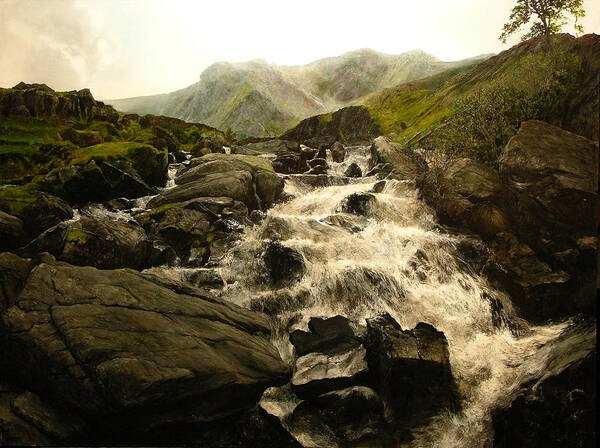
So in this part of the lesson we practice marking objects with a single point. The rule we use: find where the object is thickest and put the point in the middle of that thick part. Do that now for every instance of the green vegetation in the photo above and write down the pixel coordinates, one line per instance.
(551, 17)
(474, 111)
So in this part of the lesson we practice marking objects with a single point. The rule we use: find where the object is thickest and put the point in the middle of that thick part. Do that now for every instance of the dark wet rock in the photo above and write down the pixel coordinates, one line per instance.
(79, 184)
(411, 368)
(284, 265)
(379, 186)
(353, 171)
(256, 216)
(120, 204)
(315, 163)
(13, 273)
(161, 254)
(45, 212)
(538, 290)
(252, 428)
(248, 179)
(358, 204)
(338, 152)
(351, 223)
(318, 373)
(321, 180)
(348, 417)
(318, 170)
(321, 154)
(380, 170)
(290, 163)
(193, 227)
(26, 420)
(206, 278)
(273, 146)
(132, 351)
(559, 409)
(331, 335)
(103, 244)
(11, 231)
(124, 180)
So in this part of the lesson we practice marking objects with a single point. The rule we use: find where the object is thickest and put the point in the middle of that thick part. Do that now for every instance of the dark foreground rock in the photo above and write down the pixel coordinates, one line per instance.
(11, 231)
(129, 352)
(45, 212)
(411, 368)
(346, 417)
(558, 410)
(284, 265)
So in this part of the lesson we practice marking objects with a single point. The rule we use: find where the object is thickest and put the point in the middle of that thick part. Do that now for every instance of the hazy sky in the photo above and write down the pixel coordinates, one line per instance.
(122, 48)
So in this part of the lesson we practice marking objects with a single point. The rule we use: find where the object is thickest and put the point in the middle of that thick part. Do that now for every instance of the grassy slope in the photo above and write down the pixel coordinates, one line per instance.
(411, 109)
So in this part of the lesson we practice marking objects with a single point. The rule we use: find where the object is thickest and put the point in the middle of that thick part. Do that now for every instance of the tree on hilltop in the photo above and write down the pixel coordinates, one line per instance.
(549, 17)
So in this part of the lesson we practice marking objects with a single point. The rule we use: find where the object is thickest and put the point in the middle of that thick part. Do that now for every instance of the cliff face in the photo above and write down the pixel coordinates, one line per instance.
(39, 100)
(350, 125)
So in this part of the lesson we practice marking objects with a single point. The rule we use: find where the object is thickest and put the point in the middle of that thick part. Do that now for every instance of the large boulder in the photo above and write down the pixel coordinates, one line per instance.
(11, 231)
(130, 351)
(358, 204)
(104, 244)
(353, 170)
(45, 212)
(554, 173)
(411, 368)
(284, 265)
(247, 179)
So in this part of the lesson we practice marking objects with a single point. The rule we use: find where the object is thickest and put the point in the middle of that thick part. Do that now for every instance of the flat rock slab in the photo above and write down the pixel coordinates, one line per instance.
(106, 342)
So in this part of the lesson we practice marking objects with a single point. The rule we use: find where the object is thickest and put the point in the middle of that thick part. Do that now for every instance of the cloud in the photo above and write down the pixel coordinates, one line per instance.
(57, 42)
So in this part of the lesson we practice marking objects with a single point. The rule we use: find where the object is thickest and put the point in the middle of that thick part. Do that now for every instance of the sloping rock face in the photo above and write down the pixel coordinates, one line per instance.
(45, 212)
(39, 100)
(129, 351)
(558, 410)
(554, 174)
(349, 125)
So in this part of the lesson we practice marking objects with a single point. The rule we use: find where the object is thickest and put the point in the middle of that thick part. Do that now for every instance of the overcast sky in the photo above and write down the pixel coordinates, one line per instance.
(122, 48)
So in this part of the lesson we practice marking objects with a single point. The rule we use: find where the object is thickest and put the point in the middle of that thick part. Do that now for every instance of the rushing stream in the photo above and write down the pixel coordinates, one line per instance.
(397, 259)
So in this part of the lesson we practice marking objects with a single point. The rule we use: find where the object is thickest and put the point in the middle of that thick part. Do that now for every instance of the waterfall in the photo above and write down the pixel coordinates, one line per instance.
(397, 259)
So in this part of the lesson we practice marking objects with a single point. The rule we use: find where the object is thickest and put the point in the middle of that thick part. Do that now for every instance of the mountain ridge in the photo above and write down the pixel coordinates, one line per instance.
(258, 98)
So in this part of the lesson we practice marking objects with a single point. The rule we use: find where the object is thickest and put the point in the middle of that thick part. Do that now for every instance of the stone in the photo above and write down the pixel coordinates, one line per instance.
(358, 204)
(132, 351)
(411, 368)
(353, 416)
(103, 244)
(45, 212)
(284, 265)
(318, 373)
(338, 152)
(406, 163)
(331, 335)
(13, 274)
(353, 170)
(11, 231)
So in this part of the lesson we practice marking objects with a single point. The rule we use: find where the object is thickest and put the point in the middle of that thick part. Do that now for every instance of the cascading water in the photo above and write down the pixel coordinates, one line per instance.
(394, 260)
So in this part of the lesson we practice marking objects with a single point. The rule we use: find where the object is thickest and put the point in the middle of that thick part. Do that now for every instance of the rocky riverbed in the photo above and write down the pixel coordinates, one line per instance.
(275, 294)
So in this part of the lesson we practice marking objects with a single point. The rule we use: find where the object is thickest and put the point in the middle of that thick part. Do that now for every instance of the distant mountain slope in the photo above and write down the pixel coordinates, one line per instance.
(560, 74)
(256, 98)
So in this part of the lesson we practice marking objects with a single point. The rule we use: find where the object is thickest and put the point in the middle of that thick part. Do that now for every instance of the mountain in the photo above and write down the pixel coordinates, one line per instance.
(256, 98)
